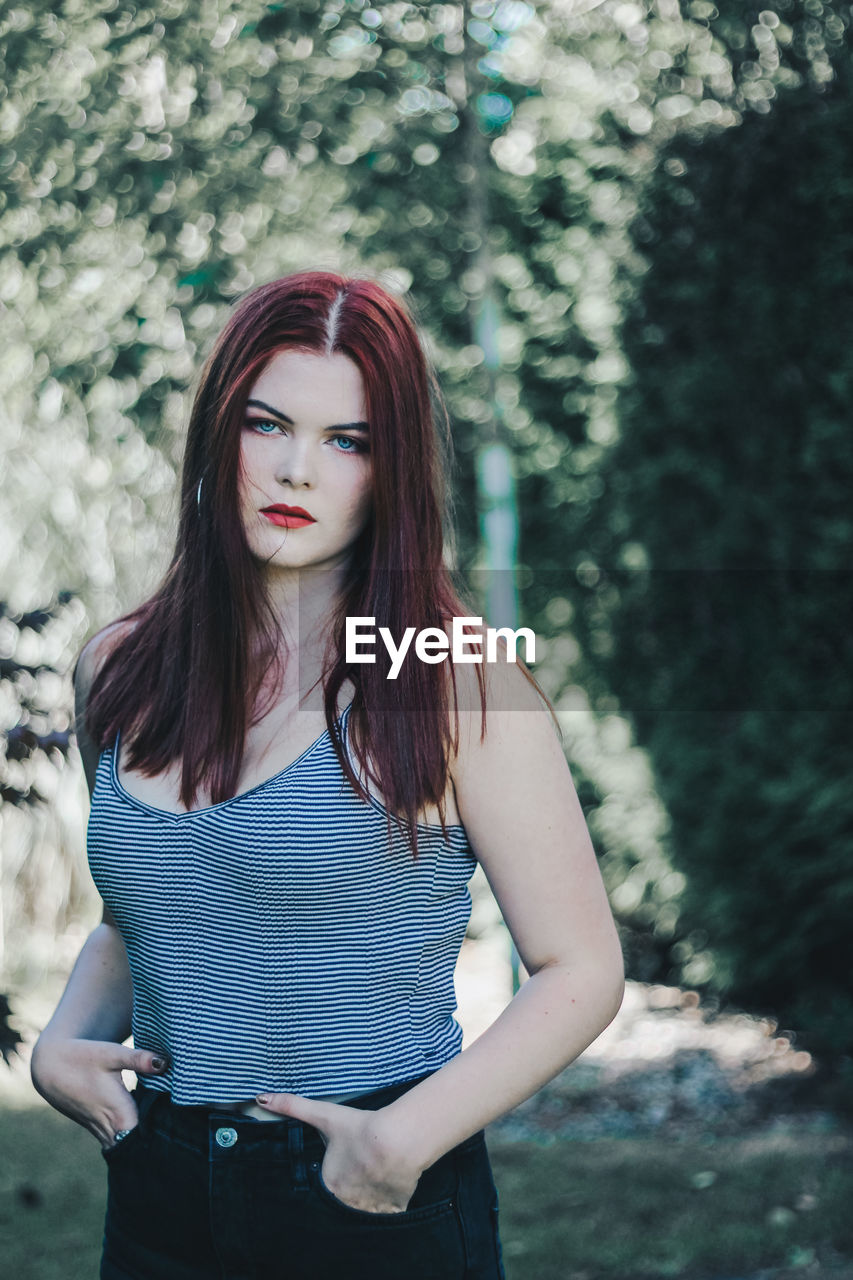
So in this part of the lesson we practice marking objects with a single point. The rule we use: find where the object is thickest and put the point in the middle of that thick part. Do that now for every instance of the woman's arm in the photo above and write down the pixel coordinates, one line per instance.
(521, 811)
(522, 814)
(98, 1000)
(77, 1061)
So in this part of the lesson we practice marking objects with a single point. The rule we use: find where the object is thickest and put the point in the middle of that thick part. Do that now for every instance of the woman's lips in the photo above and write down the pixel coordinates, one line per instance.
(292, 517)
(283, 521)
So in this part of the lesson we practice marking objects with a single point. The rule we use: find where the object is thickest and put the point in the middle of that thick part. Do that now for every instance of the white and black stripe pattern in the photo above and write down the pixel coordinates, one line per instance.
(277, 941)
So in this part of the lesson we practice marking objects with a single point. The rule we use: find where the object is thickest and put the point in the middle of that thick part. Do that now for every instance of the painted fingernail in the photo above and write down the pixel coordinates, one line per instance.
(158, 1064)
(262, 1097)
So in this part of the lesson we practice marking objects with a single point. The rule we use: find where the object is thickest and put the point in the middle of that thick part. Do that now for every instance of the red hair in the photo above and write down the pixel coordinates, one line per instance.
(184, 681)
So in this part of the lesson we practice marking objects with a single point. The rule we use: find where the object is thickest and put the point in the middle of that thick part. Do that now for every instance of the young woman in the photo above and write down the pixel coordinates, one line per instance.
(283, 841)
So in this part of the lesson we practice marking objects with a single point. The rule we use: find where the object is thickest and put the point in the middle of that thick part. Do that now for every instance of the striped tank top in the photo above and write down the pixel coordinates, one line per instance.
(278, 941)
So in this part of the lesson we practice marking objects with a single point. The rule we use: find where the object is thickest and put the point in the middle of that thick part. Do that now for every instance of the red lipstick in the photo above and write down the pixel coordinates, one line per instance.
(288, 517)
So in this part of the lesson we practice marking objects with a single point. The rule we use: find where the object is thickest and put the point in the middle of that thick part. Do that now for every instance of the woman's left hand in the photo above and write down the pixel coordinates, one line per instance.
(362, 1165)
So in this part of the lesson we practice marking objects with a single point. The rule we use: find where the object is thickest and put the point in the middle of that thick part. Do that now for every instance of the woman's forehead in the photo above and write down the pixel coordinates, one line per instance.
(305, 378)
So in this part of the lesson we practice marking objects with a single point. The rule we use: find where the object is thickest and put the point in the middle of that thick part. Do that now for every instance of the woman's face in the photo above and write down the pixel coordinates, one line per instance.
(304, 444)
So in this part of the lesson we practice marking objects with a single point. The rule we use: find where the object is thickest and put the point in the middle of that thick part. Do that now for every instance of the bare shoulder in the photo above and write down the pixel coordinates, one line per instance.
(96, 649)
(89, 660)
(514, 708)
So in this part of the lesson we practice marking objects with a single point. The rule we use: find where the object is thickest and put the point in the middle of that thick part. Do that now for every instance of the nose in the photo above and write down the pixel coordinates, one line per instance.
(295, 465)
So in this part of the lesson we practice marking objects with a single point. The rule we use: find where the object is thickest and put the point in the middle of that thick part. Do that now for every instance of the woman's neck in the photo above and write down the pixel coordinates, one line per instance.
(304, 601)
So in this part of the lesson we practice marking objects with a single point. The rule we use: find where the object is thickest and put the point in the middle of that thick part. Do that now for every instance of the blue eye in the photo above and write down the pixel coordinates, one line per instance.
(355, 446)
(258, 423)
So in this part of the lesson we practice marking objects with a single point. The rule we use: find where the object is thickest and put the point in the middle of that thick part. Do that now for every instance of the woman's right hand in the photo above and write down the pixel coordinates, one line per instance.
(82, 1079)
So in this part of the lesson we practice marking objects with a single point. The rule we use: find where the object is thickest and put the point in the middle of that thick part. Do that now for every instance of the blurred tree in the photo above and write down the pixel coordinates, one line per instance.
(608, 87)
(719, 608)
(157, 163)
(42, 884)
(34, 729)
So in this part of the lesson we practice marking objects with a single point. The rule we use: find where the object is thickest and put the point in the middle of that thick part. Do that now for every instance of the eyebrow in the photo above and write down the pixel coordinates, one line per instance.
(277, 413)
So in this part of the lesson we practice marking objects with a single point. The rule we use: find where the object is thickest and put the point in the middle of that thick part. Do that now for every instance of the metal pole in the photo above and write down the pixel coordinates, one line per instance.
(496, 491)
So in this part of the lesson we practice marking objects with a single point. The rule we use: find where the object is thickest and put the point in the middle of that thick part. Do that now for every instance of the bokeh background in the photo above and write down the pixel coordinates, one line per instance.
(626, 230)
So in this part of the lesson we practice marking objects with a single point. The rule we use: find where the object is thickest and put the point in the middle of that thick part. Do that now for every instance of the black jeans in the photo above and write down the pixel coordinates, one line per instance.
(201, 1193)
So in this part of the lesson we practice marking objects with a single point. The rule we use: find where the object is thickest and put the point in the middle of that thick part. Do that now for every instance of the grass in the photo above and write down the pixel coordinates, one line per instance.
(52, 1197)
(616, 1209)
(632, 1207)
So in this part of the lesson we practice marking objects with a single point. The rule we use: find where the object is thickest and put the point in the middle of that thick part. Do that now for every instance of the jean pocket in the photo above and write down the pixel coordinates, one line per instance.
(120, 1148)
(425, 1205)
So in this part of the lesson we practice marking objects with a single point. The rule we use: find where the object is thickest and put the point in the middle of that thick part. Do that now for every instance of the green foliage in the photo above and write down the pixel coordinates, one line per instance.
(43, 880)
(157, 162)
(156, 166)
(720, 604)
(34, 729)
(684, 1209)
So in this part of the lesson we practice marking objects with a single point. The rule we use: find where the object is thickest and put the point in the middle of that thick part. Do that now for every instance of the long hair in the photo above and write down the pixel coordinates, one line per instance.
(183, 682)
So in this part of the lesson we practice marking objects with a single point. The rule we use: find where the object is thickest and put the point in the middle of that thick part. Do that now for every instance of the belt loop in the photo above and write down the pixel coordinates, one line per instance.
(296, 1151)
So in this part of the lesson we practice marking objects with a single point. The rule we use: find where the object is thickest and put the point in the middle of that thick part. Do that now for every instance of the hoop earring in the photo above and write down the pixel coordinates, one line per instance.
(198, 495)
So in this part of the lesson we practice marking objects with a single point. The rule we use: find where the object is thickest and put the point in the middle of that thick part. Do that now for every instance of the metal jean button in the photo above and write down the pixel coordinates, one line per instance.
(226, 1137)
